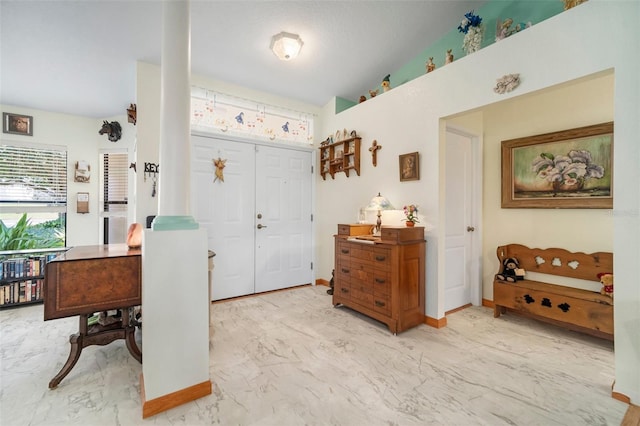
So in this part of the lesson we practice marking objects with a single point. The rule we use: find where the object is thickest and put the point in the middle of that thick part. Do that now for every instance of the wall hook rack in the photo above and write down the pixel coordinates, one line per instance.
(151, 170)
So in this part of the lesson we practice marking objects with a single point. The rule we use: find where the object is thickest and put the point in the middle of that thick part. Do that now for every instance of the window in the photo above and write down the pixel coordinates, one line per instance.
(33, 184)
(114, 196)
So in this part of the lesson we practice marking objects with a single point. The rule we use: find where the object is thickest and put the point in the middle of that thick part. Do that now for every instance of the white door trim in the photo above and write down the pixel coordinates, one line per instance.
(475, 275)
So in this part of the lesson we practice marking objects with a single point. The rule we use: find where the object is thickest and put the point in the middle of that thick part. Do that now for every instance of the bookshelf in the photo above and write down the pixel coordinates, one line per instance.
(22, 275)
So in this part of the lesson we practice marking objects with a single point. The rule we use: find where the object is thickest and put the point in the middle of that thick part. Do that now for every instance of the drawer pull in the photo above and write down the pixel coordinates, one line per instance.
(546, 302)
(381, 258)
(380, 281)
(529, 299)
(345, 271)
(564, 307)
(379, 303)
(345, 251)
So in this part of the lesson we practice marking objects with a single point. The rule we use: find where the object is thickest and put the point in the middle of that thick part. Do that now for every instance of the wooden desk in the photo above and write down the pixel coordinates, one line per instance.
(90, 279)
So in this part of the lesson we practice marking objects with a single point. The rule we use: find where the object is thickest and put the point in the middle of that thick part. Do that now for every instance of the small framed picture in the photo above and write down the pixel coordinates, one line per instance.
(17, 124)
(409, 167)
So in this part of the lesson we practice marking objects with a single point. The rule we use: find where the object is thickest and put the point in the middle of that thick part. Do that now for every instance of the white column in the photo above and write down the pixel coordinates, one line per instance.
(174, 110)
(175, 301)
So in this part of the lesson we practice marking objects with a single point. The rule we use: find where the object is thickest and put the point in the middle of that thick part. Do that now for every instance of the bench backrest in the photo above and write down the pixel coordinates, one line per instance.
(555, 261)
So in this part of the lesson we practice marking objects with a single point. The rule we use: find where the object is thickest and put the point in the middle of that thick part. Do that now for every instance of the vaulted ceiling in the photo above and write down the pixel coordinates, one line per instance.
(79, 57)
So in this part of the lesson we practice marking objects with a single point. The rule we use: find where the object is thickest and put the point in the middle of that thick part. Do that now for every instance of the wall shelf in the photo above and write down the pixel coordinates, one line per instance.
(342, 156)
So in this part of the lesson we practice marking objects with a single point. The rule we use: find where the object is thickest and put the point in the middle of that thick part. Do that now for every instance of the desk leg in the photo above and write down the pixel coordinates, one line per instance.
(99, 335)
(74, 355)
(130, 334)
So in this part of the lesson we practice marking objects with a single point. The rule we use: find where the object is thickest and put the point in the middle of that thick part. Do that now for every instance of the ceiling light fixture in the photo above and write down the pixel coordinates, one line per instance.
(286, 46)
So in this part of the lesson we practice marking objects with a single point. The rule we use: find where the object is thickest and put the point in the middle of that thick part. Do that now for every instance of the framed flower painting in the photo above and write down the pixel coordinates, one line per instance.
(569, 169)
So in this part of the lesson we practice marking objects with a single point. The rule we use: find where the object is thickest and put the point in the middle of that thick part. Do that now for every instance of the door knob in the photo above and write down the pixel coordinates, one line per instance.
(470, 229)
(260, 226)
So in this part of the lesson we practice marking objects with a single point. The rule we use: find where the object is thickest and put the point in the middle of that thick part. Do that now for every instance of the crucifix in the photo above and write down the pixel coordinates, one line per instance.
(374, 152)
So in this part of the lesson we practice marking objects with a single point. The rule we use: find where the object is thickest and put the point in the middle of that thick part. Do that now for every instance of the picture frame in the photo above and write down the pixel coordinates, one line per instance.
(409, 166)
(17, 124)
(571, 169)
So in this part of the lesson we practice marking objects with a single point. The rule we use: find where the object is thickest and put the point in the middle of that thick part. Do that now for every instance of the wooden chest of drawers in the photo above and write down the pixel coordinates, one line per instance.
(383, 280)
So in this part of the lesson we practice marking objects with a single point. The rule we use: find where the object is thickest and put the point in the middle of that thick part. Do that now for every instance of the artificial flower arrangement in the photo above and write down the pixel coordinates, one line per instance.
(473, 31)
(411, 212)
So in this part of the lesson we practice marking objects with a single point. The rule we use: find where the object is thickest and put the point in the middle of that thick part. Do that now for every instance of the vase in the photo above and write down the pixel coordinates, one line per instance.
(567, 186)
(410, 224)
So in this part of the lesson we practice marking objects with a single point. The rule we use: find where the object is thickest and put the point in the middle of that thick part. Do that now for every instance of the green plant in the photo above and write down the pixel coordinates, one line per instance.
(23, 236)
(411, 212)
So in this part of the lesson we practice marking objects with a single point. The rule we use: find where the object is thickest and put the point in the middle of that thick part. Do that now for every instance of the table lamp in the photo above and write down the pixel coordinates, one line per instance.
(379, 203)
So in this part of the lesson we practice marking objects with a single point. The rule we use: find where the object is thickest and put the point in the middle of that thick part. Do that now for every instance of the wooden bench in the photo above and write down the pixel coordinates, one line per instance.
(576, 309)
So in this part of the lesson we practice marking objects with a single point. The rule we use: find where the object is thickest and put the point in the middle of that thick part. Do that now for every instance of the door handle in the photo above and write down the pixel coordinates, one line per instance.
(260, 226)
(470, 229)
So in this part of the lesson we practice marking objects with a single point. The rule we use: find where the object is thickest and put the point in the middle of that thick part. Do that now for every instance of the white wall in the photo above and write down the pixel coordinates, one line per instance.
(406, 119)
(79, 135)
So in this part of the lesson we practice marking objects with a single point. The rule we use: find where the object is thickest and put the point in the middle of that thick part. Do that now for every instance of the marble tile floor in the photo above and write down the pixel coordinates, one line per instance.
(291, 358)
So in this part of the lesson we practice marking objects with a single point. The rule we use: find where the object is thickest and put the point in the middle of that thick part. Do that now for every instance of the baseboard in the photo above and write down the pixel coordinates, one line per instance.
(321, 281)
(488, 303)
(619, 396)
(172, 400)
(213, 302)
(436, 323)
(458, 309)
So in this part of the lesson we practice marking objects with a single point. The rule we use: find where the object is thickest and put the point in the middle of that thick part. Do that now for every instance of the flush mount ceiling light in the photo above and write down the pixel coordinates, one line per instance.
(286, 46)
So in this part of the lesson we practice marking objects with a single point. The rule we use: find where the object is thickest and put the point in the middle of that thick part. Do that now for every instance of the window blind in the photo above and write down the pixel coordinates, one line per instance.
(114, 194)
(33, 176)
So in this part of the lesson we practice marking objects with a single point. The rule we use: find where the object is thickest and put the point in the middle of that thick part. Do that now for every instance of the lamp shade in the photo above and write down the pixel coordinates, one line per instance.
(379, 203)
(286, 46)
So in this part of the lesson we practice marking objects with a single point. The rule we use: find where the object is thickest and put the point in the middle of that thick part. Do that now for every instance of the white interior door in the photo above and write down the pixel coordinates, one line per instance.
(263, 181)
(459, 229)
(283, 218)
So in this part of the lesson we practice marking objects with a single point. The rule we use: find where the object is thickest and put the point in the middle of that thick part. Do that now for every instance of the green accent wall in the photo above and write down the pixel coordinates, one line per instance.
(342, 104)
(534, 11)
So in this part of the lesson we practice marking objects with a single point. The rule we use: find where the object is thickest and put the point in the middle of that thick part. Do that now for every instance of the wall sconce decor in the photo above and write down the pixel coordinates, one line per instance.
(286, 46)
(132, 114)
(507, 83)
(82, 172)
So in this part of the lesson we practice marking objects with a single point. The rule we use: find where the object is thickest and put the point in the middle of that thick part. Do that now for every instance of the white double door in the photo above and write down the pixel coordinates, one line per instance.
(258, 219)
